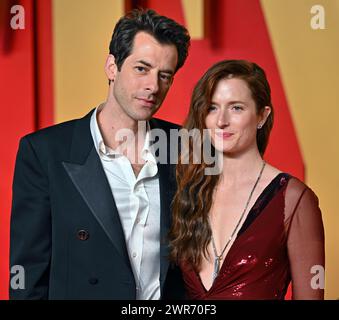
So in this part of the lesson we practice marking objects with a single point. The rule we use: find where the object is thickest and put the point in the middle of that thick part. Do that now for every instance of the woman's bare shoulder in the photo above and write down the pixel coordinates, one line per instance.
(270, 173)
(295, 185)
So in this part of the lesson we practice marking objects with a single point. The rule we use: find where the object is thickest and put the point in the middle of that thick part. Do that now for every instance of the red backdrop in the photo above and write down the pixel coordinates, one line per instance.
(26, 98)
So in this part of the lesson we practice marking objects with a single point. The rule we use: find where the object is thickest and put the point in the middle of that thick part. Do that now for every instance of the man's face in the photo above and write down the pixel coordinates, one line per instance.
(145, 77)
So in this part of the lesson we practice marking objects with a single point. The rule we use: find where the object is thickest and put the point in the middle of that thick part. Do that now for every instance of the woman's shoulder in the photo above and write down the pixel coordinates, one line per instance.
(295, 187)
(271, 171)
(272, 174)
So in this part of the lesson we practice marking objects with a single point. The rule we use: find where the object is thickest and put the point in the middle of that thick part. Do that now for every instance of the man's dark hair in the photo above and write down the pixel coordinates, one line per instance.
(163, 29)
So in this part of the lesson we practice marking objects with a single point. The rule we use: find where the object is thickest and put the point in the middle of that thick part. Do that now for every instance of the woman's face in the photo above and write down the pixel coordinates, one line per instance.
(232, 117)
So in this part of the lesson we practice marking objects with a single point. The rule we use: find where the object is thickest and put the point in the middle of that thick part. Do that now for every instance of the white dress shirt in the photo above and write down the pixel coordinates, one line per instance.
(138, 203)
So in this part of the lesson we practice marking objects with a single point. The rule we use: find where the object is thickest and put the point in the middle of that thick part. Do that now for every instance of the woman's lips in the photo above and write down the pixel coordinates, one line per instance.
(224, 135)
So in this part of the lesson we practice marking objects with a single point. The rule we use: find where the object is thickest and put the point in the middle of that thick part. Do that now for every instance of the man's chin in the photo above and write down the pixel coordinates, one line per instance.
(144, 115)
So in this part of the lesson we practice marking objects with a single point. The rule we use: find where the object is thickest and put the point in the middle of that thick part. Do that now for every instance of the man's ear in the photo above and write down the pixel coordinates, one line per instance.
(111, 68)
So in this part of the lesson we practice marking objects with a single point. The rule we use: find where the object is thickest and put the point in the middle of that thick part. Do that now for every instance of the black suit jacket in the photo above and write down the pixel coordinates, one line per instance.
(65, 227)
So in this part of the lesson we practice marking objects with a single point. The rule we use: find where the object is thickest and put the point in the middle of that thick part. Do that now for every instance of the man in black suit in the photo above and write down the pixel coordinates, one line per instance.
(91, 212)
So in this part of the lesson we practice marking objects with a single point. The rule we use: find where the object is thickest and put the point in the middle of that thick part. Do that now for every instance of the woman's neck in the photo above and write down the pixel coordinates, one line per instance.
(241, 168)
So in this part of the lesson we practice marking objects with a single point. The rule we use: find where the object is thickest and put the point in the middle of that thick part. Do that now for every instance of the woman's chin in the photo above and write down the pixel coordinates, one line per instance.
(222, 147)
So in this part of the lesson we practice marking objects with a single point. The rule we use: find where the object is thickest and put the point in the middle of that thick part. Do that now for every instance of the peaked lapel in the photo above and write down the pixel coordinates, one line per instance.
(87, 174)
(165, 221)
(166, 191)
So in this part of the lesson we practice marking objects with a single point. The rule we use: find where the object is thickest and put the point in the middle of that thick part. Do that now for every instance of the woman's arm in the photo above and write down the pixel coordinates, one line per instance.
(306, 248)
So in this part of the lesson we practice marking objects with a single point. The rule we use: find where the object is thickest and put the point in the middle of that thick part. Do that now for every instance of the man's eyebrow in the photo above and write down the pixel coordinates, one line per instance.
(147, 64)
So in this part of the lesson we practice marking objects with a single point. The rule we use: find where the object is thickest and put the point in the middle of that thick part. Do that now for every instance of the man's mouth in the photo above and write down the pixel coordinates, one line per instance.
(147, 102)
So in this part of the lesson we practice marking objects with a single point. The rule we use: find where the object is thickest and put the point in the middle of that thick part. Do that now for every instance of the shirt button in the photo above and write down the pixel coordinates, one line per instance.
(134, 255)
(137, 220)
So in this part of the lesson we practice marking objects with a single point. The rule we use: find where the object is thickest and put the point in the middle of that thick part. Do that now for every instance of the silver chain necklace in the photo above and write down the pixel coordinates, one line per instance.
(218, 258)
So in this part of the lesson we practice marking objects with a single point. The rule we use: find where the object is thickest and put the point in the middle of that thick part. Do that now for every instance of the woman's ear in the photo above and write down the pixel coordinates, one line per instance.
(264, 115)
(110, 68)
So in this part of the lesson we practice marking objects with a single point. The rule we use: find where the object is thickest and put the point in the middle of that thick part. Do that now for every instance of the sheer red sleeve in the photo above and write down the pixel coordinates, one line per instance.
(305, 241)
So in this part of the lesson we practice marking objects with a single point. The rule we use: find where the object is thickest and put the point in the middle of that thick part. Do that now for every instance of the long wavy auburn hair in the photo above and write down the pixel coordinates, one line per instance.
(190, 233)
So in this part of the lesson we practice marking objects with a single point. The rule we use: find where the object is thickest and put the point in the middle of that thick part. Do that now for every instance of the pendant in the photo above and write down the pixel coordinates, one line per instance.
(216, 267)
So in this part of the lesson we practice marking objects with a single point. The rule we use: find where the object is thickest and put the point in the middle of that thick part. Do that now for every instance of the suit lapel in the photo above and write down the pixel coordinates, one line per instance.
(166, 186)
(87, 174)
(164, 220)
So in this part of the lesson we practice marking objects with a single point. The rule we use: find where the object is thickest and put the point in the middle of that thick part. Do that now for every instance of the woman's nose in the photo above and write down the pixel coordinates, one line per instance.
(223, 119)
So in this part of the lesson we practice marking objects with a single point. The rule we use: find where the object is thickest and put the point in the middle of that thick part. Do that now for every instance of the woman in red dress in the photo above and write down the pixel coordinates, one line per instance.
(249, 230)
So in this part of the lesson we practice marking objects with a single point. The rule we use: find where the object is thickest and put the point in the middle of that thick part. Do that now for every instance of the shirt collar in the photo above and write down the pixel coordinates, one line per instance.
(106, 152)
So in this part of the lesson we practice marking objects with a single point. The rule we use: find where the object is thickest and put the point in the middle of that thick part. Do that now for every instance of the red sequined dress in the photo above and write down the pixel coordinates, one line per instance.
(280, 240)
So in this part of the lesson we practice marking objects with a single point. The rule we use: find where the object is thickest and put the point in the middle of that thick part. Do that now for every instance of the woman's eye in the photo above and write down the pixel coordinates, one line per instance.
(211, 108)
(237, 108)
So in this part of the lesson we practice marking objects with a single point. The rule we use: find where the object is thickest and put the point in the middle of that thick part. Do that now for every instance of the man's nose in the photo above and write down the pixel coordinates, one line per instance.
(152, 84)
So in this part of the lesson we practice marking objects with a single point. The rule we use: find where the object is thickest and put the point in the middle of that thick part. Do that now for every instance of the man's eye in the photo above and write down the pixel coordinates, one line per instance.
(140, 69)
(165, 77)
